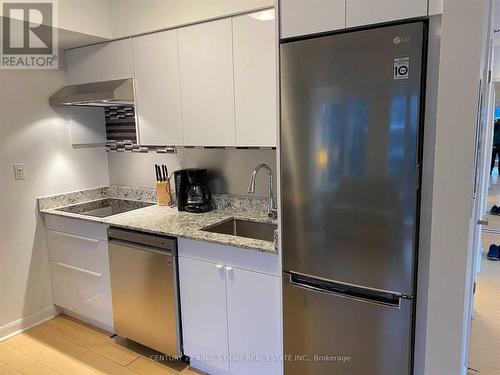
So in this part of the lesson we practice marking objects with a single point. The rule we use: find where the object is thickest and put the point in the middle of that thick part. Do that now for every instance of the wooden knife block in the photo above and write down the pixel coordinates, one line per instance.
(163, 193)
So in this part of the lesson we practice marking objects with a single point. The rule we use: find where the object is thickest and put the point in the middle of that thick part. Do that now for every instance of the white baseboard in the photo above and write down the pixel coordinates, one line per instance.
(27, 322)
(92, 322)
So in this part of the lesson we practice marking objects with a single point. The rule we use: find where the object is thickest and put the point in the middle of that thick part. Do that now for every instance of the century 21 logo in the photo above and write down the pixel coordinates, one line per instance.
(27, 28)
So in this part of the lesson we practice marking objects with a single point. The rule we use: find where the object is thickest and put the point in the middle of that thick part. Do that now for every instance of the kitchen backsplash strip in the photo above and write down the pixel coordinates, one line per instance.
(68, 199)
(132, 193)
(120, 124)
(113, 191)
(239, 204)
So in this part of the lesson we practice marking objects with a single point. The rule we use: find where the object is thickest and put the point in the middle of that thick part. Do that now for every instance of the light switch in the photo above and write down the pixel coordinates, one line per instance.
(19, 171)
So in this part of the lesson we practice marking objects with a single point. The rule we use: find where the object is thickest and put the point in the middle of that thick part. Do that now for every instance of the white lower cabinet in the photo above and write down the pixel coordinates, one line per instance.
(203, 309)
(86, 293)
(231, 316)
(253, 316)
(79, 267)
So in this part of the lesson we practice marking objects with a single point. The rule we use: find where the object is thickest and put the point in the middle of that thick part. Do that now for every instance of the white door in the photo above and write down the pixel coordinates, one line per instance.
(157, 89)
(254, 322)
(254, 43)
(203, 311)
(364, 12)
(100, 62)
(300, 17)
(206, 75)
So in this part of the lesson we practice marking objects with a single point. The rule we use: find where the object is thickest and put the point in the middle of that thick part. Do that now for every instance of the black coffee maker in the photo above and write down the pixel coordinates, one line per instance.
(192, 192)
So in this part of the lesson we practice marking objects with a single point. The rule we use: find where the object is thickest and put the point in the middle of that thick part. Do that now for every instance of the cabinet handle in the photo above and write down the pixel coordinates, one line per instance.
(61, 234)
(64, 265)
(229, 268)
(219, 266)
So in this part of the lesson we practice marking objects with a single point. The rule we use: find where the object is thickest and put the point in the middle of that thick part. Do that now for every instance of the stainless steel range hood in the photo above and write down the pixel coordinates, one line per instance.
(96, 94)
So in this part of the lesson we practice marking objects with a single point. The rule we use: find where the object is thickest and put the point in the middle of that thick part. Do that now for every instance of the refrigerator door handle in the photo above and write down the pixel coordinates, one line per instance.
(381, 298)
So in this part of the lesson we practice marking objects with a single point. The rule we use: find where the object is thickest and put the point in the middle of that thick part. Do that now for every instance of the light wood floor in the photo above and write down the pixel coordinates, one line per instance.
(484, 354)
(67, 346)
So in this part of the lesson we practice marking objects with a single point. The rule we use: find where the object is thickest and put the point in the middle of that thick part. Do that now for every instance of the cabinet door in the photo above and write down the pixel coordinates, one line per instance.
(100, 62)
(299, 17)
(364, 12)
(254, 322)
(87, 126)
(157, 89)
(206, 74)
(435, 7)
(254, 44)
(203, 310)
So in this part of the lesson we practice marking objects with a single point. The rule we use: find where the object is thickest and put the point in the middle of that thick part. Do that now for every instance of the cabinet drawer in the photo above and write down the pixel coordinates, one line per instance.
(76, 226)
(78, 251)
(82, 291)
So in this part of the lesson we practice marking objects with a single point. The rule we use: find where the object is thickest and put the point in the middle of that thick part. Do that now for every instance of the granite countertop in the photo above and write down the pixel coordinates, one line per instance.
(169, 221)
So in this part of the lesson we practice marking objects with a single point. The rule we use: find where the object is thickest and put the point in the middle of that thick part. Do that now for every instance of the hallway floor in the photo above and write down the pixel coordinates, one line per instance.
(484, 355)
(66, 346)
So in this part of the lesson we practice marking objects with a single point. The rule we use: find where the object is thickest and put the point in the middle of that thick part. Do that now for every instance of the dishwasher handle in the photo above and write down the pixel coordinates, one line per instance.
(141, 247)
(161, 243)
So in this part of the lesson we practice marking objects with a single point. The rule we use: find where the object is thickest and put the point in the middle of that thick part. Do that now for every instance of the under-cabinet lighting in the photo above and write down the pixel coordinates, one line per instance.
(265, 15)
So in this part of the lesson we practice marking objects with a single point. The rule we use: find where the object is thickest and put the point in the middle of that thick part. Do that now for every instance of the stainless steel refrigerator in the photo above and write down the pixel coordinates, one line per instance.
(351, 113)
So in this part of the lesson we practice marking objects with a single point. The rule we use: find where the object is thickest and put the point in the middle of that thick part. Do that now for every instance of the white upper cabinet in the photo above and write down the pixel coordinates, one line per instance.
(300, 17)
(364, 12)
(435, 7)
(254, 44)
(100, 62)
(157, 89)
(206, 67)
(87, 126)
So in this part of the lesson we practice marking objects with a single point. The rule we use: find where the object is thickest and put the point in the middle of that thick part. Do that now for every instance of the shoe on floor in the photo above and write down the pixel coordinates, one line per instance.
(493, 252)
(495, 210)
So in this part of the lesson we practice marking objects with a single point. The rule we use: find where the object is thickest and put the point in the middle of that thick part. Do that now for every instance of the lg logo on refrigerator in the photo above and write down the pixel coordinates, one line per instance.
(401, 39)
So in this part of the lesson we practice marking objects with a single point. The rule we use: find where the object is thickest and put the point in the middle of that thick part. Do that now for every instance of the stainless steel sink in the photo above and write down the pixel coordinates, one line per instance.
(244, 228)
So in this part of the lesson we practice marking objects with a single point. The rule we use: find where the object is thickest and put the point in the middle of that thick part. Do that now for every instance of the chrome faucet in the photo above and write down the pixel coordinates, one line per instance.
(272, 211)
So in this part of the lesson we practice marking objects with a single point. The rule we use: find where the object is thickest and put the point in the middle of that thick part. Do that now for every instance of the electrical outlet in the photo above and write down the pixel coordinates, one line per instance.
(19, 171)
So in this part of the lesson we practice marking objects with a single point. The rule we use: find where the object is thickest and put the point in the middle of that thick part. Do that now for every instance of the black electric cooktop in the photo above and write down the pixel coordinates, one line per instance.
(105, 207)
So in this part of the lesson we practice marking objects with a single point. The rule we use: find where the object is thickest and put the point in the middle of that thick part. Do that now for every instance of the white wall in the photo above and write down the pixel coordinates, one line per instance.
(33, 133)
(450, 258)
(130, 17)
(92, 17)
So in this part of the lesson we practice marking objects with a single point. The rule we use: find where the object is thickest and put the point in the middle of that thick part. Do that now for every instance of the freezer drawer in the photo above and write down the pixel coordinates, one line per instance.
(326, 332)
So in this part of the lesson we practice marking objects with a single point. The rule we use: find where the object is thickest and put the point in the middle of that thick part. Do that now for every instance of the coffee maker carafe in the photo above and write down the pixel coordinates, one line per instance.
(197, 197)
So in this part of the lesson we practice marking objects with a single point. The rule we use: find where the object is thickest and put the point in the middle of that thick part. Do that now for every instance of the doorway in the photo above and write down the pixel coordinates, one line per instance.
(484, 344)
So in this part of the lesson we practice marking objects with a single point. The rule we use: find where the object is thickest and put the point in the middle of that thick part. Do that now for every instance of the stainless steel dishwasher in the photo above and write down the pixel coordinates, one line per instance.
(144, 287)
